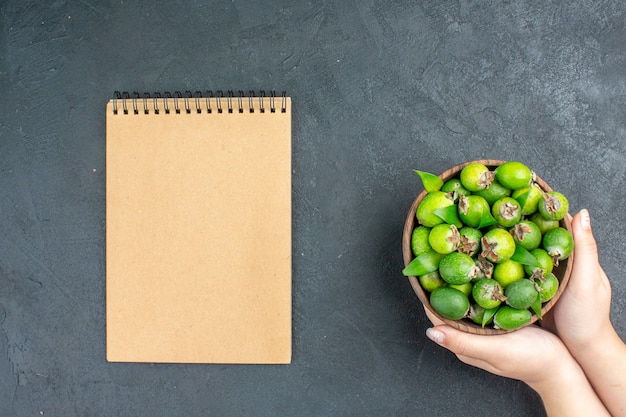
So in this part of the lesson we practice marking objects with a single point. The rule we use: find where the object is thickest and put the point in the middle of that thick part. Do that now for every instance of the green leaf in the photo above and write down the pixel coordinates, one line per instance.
(486, 220)
(489, 313)
(423, 263)
(449, 214)
(430, 181)
(524, 257)
(536, 306)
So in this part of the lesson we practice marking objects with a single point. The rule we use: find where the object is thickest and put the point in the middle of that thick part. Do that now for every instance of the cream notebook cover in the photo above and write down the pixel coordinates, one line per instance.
(198, 229)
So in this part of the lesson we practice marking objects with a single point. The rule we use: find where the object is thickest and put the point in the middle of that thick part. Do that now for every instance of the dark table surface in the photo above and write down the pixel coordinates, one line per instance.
(379, 88)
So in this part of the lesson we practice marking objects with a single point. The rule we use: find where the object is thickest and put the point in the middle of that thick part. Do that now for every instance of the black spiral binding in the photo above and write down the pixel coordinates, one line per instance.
(124, 103)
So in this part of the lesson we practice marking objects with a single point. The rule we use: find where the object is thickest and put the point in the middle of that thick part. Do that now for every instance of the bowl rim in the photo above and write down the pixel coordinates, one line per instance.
(465, 324)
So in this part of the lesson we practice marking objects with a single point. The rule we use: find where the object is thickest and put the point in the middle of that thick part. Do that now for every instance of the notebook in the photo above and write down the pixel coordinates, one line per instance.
(198, 228)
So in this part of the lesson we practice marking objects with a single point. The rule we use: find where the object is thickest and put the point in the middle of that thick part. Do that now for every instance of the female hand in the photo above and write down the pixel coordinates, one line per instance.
(582, 321)
(553, 363)
(532, 355)
(582, 314)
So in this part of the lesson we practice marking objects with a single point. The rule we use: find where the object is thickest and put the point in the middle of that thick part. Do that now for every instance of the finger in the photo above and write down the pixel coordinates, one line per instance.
(586, 273)
(585, 248)
(464, 344)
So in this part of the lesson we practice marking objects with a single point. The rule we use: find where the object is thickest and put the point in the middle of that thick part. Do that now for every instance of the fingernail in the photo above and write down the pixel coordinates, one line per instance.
(585, 220)
(435, 335)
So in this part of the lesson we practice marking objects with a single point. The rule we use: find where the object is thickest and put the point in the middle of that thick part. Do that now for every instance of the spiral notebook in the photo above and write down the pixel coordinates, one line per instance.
(198, 228)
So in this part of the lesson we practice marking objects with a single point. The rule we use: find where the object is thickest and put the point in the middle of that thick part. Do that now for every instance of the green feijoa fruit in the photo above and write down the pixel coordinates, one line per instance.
(487, 293)
(514, 175)
(494, 192)
(506, 211)
(472, 209)
(419, 240)
(464, 288)
(484, 268)
(520, 294)
(431, 281)
(476, 313)
(543, 259)
(476, 176)
(454, 186)
(431, 182)
(469, 240)
(444, 238)
(430, 203)
(508, 272)
(543, 223)
(559, 244)
(449, 302)
(509, 318)
(457, 268)
(497, 245)
(422, 264)
(527, 234)
(528, 198)
(553, 206)
(547, 287)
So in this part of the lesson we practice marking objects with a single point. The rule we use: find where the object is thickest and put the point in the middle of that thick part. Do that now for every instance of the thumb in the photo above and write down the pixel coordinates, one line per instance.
(461, 343)
(585, 248)
(586, 271)
(588, 277)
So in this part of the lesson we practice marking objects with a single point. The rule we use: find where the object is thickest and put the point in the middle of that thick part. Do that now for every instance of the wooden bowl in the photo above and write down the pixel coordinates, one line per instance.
(562, 272)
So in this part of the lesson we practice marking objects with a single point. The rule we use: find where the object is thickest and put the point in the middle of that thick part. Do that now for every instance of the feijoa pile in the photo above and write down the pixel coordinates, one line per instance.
(486, 243)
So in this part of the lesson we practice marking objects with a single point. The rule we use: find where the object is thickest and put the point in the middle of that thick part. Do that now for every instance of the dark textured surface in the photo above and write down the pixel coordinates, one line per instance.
(379, 88)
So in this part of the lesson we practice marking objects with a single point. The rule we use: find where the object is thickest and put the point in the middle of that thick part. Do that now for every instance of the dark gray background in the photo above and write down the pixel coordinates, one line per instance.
(379, 88)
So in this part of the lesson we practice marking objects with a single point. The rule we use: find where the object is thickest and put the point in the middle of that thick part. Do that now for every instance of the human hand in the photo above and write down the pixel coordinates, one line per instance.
(581, 316)
(530, 354)
(541, 358)
(581, 319)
